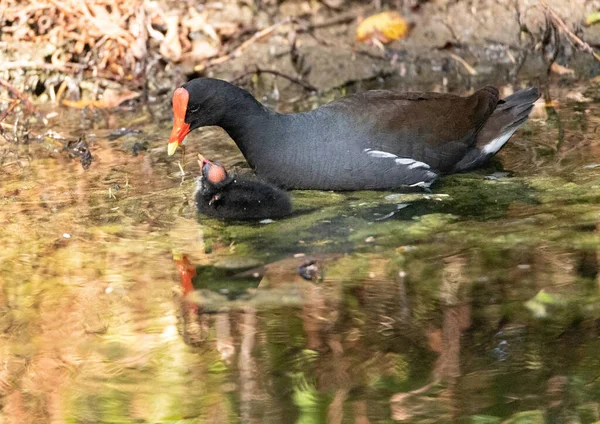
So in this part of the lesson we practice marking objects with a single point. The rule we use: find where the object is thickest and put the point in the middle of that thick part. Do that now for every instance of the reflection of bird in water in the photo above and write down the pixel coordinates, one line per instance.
(310, 270)
(187, 271)
(298, 269)
(192, 327)
(222, 285)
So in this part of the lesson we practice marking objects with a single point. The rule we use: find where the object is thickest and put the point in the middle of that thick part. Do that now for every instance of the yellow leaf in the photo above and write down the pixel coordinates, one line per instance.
(592, 18)
(385, 27)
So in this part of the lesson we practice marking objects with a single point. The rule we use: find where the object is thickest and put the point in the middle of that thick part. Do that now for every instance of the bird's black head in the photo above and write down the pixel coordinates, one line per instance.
(200, 102)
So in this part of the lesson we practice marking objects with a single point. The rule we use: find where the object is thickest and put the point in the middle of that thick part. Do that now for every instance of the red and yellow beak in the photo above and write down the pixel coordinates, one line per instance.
(180, 128)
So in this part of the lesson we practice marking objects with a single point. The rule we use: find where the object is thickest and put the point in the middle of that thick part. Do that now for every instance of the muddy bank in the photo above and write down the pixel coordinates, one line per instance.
(157, 47)
(484, 40)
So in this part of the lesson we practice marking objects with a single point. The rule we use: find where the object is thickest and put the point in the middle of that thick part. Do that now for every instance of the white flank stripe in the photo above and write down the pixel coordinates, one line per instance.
(379, 154)
(422, 184)
(412, 164)
(417, 164)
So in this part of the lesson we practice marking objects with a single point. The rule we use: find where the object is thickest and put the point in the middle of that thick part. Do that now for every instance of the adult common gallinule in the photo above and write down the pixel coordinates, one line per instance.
(221, 195)
(372, 140)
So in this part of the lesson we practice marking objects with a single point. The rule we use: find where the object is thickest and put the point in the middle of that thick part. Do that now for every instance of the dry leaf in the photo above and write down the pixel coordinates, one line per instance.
(334, 4)
(561, 70)
(384, 27)
(171, 47)
(194, 21)
(539, 110)
(137, 27)
(110, 98)
(201, 50)
(578, 97)
(226, 29)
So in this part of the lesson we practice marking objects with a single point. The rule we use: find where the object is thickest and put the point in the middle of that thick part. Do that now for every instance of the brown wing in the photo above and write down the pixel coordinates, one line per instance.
(435, 128)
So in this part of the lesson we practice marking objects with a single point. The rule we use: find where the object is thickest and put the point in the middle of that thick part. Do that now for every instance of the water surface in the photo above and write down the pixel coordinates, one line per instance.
(477, 302)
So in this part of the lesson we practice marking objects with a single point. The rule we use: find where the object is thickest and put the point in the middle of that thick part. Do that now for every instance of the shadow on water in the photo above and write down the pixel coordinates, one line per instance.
(476, 302)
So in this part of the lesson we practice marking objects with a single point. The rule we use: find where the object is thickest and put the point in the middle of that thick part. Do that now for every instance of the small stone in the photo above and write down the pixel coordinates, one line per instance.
(66, 235)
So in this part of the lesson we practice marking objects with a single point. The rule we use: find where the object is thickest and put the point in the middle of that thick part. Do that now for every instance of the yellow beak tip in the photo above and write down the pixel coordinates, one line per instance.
(171, 148)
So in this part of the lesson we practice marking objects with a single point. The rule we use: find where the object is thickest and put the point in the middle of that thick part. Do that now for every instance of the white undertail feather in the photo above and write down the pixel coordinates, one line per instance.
(496, 144)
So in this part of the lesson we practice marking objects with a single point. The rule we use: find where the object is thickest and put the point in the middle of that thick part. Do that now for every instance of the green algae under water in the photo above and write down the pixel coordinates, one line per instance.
(477, 302)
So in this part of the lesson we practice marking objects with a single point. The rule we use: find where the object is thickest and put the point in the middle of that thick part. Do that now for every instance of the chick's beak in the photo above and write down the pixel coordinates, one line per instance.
(202, 160)
(180, 127)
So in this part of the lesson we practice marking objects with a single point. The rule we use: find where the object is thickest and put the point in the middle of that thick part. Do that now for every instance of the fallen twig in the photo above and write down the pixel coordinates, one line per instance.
(30, 106)
(294, 80)
(333, 22)
(565, 28)
(13, 127)
(67, 67)
(9, 109)
(469, 68)
(237, 51)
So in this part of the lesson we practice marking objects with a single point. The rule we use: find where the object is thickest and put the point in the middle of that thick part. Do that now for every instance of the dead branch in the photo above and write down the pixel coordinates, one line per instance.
(30, 106)
(464, 63)
(9, 109)
(294, 80)
(67, 67)
(342, 20)
(560, 24)
(239, 50)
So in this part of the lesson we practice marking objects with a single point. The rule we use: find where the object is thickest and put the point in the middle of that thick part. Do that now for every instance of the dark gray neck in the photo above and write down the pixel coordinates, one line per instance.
(246, 120)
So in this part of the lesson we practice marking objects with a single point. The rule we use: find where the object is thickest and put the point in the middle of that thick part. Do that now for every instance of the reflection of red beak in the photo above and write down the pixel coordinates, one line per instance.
(187, 271)
(180, 127)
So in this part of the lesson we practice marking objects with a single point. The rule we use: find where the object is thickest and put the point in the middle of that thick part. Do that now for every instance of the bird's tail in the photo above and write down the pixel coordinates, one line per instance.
(508, 116)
